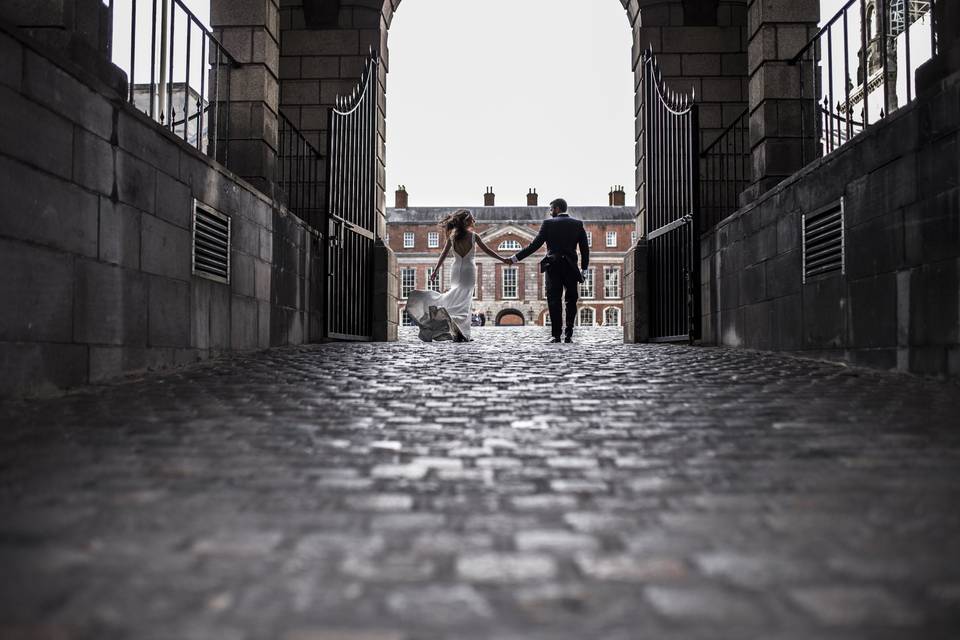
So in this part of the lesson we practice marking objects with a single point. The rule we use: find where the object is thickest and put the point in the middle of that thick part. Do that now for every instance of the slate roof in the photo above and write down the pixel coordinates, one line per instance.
(502, 215)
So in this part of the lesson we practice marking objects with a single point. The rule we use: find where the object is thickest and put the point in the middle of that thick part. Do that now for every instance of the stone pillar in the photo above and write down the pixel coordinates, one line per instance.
(701, 46)
(777, 31)
(250, 32)
(947, 60)
(82, 29)
(636, 302)
(386, 294)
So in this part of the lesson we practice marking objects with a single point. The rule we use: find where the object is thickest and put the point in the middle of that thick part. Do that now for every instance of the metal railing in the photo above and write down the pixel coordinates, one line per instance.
(725, 171)
(178, 72)
(299, 173)
(848, 89)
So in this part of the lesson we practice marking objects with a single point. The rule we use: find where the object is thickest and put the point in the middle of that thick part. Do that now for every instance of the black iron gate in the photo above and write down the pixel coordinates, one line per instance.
(672, 219)
(352, 209)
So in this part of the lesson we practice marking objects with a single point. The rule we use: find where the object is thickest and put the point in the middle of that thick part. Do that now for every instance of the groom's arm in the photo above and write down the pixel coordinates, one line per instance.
(533, 246)
(584, 249)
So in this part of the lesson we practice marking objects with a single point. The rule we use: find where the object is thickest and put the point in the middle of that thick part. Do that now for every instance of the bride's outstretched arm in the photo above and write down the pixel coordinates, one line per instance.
(487, 250)
(443, 256)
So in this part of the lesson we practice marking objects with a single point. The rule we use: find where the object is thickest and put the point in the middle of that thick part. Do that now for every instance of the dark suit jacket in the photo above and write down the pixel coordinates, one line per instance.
(562, 234)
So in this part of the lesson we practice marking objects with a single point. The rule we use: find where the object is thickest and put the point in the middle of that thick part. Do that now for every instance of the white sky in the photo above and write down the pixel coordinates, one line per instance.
(470, 101)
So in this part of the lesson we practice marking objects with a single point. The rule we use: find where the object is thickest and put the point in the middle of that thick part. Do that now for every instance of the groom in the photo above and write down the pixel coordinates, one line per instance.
(562, 234)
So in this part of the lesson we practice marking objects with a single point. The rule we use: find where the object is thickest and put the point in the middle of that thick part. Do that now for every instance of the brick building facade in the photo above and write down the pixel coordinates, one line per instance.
(515, 294)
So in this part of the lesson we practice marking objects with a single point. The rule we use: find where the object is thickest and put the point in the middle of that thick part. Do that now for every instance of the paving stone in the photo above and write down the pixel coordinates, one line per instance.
(440, 605)
(388, 569)
(555, 540)
(506, 567)
(851, 606)
(704, 604)
(757, 571)
(629, 568)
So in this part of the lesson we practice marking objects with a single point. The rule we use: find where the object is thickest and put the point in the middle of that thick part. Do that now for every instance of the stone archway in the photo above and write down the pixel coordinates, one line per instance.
(701, 45)
(510, 318)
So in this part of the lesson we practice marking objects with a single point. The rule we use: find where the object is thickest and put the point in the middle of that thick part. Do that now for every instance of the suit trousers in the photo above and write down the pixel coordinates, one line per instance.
(563, 290)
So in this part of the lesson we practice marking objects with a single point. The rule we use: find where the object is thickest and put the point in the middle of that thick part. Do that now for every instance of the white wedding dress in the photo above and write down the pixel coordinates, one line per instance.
(442, 316)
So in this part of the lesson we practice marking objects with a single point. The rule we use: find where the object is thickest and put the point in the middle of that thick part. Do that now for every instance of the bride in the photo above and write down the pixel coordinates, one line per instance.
(446, 316)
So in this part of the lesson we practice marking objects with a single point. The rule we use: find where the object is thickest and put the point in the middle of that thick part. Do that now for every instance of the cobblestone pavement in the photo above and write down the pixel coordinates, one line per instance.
(594, 490)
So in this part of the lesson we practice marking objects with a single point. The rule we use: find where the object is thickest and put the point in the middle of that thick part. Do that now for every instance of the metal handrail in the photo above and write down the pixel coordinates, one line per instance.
(825, 29)
(214, 57)
(298, 172)
(725, 171)
(730, 127)
(878, 67)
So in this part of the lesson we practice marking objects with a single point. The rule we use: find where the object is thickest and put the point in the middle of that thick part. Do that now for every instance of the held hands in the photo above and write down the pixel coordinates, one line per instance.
(433, 276)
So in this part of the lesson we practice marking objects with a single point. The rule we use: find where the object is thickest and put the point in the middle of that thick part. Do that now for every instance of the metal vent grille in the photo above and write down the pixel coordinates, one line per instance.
(211, 243)
(824, 250)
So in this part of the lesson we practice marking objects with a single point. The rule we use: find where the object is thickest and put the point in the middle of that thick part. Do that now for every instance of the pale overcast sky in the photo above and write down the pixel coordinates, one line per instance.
(511, 94)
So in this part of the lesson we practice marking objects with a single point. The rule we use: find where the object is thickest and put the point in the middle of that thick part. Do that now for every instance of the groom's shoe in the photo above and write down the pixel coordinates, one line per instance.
(568, 339)
(553, 341)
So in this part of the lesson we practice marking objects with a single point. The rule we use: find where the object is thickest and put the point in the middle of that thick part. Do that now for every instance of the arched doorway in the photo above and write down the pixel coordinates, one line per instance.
(510, 318)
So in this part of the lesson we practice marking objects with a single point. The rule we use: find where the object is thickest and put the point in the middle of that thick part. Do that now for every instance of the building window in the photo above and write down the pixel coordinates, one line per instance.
(543, 290)
(611, 282)
(433, 240)
(586, 287)
(408, 240)
(435, 284)
(510, 245)
(589, 238)
(408, 281)
(587, 317)
(611, 239)
(611, 317)
(510, 276)
(633, 238)
(406, 319)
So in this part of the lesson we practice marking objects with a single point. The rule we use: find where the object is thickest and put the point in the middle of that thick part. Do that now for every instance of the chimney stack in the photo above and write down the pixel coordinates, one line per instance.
(401, 198)
(489, 197)
(618, 197)
(532, 198)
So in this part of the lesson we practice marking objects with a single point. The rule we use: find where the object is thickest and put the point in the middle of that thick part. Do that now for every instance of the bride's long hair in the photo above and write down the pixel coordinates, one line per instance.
(457, 223)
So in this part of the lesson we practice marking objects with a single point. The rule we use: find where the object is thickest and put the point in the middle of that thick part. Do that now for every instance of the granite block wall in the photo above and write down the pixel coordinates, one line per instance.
(897, 306)
(96, 242)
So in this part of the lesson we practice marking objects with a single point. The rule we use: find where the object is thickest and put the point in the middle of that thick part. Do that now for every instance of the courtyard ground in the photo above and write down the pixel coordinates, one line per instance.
(504, 489)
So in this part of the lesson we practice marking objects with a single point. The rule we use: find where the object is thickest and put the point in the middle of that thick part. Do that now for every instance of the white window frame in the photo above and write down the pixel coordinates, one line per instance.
(587, 287)
(510, 245)
(516, 283)
(433, 240)
(593, 317)
(633, 238)
(404, 272)
(589, 238)
(611, 324)
(611, 239)
(409, 240)
(607, 287)
(405, 318)
(436, 284)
